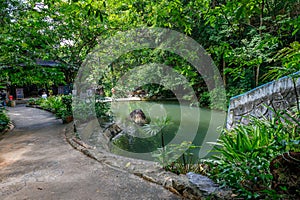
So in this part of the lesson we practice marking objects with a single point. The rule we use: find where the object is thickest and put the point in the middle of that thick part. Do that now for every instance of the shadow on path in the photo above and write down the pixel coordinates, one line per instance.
(37, 163)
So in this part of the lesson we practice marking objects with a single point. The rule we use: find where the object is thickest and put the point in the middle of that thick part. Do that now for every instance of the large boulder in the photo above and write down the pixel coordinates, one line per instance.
(138, 117)
(203, 183)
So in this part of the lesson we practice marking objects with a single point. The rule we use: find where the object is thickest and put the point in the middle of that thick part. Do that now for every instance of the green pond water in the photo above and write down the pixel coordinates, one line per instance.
(184, 124)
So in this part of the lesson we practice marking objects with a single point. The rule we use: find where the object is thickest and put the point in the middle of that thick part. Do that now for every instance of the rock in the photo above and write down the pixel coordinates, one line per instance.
(203, 183)
(138, 93)
(153, 98)
(112, 131)
(285, 169)
(138, 117)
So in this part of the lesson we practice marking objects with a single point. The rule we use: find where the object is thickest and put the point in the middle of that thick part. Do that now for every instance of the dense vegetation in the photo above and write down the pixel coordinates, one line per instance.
(4, 120)
(248, 40)
(60, 105)
(258, 161)
(247, 155)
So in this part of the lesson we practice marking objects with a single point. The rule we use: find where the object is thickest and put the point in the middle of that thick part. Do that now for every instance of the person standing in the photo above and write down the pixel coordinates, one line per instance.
(44, 95)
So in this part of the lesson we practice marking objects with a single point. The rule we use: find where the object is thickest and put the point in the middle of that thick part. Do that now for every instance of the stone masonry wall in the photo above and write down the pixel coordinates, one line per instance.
(279, 94)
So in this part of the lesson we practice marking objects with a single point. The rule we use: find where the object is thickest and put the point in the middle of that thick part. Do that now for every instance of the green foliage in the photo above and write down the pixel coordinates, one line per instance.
(63, 106)
(246, 39)
(33, 75)
(90, 108)
(67, 102)
(250, 178)
(204, 99)
(244, 153)
(32, 101)
(241, 36)
(173, 157)
(60, 31)
(248, 141)
(289, 59)
(4, 120)
(102, 109)
(156, 125)
(60, 105)
(82, 111)
(155, 134)
(180, 158)
(52, 103)
(244, 36)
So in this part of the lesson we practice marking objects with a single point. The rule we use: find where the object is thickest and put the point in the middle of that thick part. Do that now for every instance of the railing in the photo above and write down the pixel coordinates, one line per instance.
(278, 94)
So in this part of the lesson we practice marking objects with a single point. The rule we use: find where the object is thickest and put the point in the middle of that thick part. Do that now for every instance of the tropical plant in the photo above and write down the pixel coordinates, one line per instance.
(180, 159)
(67, 102)
(52, 103)
(243, 154)
(156, 126)
(32, 101)
(289, 60)
(60, 105)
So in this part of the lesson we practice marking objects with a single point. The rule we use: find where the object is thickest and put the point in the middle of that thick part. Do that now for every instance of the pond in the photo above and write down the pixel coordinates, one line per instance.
(176, 122)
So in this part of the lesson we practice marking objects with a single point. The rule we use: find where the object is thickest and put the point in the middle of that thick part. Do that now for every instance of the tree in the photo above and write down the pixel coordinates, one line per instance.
(241, 36)
(60, 31)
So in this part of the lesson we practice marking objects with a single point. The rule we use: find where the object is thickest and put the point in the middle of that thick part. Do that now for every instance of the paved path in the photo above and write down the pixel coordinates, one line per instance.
(37, 163)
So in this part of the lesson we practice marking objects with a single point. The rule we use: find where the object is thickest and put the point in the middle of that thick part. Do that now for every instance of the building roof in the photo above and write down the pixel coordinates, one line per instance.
(47, 63)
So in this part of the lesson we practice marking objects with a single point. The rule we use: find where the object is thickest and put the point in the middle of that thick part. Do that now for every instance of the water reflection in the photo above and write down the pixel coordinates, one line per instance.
(185, 123)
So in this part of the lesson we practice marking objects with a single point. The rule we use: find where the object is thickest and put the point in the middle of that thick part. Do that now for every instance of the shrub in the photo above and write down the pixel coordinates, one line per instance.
(101, 108)
(180, 158)
(4, 120)
(66, 100)
(60, 105)
(32, 101)
(245, 152)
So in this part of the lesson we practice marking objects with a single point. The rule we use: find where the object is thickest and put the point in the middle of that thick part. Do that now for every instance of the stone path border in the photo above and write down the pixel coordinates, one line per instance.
(150, 171)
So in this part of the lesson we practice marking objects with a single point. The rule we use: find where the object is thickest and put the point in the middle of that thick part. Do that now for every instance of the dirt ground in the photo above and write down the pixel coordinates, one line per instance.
(36, 162)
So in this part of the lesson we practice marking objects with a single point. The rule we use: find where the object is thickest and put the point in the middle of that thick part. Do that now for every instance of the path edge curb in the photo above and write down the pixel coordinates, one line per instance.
(177, 184)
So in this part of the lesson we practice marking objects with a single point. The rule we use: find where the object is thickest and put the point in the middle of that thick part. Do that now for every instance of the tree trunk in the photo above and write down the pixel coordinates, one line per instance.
(257, 76)
(224, 75)
(261, 17)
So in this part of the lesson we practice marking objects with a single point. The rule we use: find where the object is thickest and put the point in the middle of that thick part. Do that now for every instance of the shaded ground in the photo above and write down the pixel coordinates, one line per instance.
(37, 163)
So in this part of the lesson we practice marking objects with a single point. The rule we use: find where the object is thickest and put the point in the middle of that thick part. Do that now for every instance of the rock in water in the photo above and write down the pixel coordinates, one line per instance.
(138, 117)
(203, 183)
(112, 131)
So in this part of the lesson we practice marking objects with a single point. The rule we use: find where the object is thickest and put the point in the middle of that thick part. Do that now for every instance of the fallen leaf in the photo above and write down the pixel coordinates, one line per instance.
(128, 164)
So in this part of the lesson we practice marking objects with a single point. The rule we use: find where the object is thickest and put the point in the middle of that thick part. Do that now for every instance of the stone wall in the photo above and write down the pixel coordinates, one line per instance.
(279, 94)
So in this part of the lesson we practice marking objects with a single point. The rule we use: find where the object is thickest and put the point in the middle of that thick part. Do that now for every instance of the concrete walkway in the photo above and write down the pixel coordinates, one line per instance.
(37, 163)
